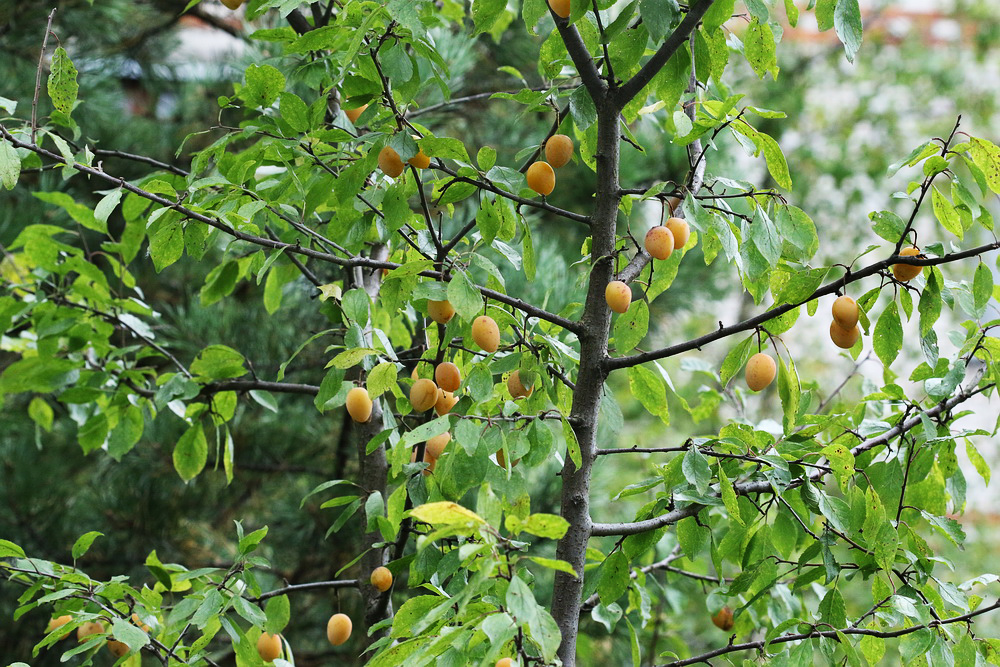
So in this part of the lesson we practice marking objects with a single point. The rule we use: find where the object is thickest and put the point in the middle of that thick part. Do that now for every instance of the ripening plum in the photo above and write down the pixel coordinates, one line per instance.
(117, 648)
(445, 402)
(845, 312)
(560, 8)
(88, 629)
(618, 295)
(420, 160)
(681, 231)
(232, 4)
(389, 162)
(354, 114)
(724, 619)
(760, 371)
(359, 404)
(447, 376)
(423, 395)
(844, 338)
(338, 629)
(558, 150)
(435, 446)
(907, 272)
(541, 178)
(269, 647)
(381, 579)
(516, 387)
(486, 333)
(440, 311)
(58, 622)
(659, 242)
(505, 662)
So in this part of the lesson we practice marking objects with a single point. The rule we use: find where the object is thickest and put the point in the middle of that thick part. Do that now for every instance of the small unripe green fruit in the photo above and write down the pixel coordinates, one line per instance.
(760, 371)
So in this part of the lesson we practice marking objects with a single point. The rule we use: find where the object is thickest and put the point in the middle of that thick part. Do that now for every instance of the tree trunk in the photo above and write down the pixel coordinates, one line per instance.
(566, 596)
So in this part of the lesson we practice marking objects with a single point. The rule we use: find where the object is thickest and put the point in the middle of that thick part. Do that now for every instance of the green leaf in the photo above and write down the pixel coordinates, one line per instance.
(650, 390)
(381, 379)
(735, 360)
(888, 336)
(128, 634)
(218, 362)
(697, 470)
(759, 49)
(191, 453)
(572, 444)
(10, 550)
(982, 288)
(946, 213)
(929, 305)
(486, 12)
(614, 578)
(445, 148)
(10, 165)
(720, 12)
(888, 225)
(631, 327)
(847, 22)
(351, 358)
(41, 375)
(980, 464)
(41, 413)
(464, 296)
(77, 211)
(107, 205)
(295, 112)
(62, 85)
(729, 497)
(550, 526)
(166, 242)
(82, 545)
(986, 156)
(445, 513)
(278, 612)
(264, 83)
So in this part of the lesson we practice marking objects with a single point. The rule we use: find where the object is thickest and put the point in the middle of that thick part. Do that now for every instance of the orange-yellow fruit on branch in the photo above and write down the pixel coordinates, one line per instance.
(541, 178)
(420, 160)
(505, 662)
(138, 622)
(445, 402)
(845, 312)
(359, 404)
(486, 333)
(423, 395)
(724, 619)
(447, 376)
(659, 242)
(435, 446)
(338, 629)
(905, 272)
(844, 338)
(117, 648)
(618, 295)
(560, 8)
(354, 114)
(516, 387)
(760, 370)
(389, 162)
(269, 647)
(681, 231)
(232, 4)
(58, 622)
(558, 150)
(440, 311)
(88, 629)
(381, 579)
(431, 461)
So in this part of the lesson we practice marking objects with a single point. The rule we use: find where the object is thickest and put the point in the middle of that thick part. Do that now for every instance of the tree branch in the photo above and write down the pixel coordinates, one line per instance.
(634, 86)
(311, 586)
(830, 634)
(830, 288)
(582, 60)
(764, 486)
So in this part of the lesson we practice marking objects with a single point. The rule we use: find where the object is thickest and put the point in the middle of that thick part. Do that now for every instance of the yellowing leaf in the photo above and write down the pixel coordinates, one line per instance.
(445, 513)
